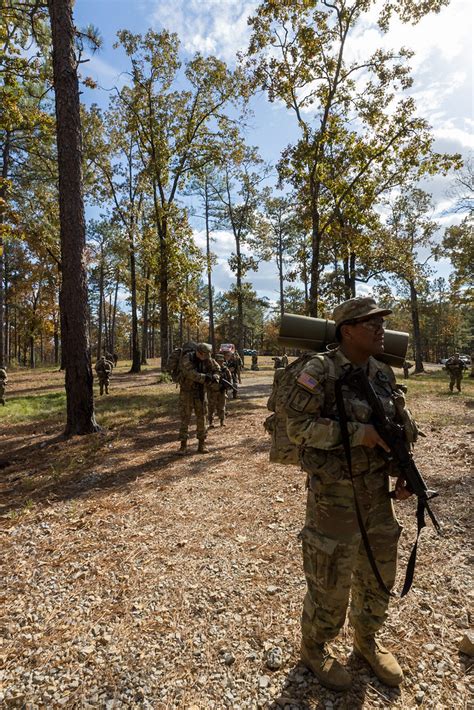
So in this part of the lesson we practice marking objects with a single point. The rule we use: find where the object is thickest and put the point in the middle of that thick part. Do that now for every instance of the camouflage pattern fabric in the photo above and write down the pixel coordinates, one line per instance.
(455, 366)
(284, 360)
(103, 369)
(334, 557)
(3, 384)
(193, 394)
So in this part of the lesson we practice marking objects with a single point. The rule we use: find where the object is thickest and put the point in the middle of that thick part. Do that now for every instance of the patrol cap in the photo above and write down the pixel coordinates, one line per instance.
(358, 308)
(204, 348)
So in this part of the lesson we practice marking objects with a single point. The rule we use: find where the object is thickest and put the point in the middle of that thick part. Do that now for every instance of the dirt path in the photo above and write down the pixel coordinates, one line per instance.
(138, 579)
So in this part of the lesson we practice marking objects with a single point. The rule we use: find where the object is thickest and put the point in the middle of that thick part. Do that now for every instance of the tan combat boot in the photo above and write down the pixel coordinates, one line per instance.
(202, 447)
(325, 667)
(183, 449)
(383, 663)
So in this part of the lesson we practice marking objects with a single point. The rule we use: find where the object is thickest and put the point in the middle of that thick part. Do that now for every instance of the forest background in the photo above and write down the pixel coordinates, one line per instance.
(241, 160)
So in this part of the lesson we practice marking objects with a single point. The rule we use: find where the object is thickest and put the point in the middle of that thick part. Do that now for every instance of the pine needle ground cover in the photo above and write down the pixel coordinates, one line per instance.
(136, 579)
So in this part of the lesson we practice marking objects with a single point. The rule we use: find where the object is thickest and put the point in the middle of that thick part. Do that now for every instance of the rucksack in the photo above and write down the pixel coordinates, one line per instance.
(282, 450)
(173, 366)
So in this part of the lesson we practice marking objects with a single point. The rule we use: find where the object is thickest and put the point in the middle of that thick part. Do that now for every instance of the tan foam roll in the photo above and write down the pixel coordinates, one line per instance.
(316, 334)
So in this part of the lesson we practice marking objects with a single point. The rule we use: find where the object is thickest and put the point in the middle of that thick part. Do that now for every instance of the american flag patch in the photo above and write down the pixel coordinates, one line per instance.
(307, 381)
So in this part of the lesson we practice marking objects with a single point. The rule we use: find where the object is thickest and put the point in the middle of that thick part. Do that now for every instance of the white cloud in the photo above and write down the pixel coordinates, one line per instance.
(216, 27)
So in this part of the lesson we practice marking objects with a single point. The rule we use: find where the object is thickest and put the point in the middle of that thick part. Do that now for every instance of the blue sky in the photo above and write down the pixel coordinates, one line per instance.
(442, 71)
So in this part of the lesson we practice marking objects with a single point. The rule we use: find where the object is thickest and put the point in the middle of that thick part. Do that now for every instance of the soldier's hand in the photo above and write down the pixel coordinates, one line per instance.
(372, 438)
(401, 490)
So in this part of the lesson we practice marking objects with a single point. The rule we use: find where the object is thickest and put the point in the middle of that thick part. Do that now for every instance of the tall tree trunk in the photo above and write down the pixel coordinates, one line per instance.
(315, 250)
(114, 315)
(106, 326)
(136, 357)
(352, 274)
(416, 327)
(347, 277)
(6, 347)
(100, 310)
(145, 317)
(212, 333)
(74, 335)
(279, 261)
(56, 339)
(3, 196)
(164, 316)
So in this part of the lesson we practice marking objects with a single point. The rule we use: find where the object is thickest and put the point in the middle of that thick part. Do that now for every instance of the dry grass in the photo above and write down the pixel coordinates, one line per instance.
(137, 577)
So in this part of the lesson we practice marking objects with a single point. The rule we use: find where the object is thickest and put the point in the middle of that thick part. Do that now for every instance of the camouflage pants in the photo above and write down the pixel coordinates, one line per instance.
(189, 401)
(104, 381)
(335, 562)
(455, 379)
(2, 393)
(216, 405)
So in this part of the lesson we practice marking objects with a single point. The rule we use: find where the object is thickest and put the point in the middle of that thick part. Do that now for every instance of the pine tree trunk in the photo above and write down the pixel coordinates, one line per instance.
(136, 357)
(145, 317)
(416, 327)
(114, 315)
(315, 265)
(73, 302)
(212, 333)
(3, 196)
(100, 310)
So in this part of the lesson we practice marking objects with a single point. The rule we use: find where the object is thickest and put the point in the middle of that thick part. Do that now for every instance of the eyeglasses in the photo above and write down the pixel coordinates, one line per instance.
(373, 324)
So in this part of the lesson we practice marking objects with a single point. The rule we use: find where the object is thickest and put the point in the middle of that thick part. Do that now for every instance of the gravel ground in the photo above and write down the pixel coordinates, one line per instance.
(153, 581)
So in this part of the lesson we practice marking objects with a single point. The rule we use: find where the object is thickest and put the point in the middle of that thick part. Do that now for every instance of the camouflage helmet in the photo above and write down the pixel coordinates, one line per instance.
(204, 349)
(359, 308)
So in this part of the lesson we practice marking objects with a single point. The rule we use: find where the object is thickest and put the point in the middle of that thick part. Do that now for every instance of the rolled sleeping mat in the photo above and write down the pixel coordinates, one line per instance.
(316, 334)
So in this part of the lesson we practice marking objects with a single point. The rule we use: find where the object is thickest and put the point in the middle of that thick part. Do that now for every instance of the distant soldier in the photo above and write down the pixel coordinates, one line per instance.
(276, 363)
(455, 366)
(254, 365)
(110, 358)
(235, 364)
(217, 392)
(284, 360)
(196, 368)
(115, 359)
(3, 384)
(103, 368)
(406, 369)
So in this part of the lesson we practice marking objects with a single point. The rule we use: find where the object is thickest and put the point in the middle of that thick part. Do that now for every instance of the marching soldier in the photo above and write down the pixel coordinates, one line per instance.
(3, 384)
(455, 366)
(196, 368)
(217, 392)
(103, 368)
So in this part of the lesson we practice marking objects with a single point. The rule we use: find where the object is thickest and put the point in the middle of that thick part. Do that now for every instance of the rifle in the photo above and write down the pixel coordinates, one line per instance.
(228, 384)
(394, 436)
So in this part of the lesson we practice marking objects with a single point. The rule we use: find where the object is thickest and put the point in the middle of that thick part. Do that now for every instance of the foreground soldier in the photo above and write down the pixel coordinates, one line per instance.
(3, 384)
(104, 368)
(195, 369)
(335, 560)
(455, 366)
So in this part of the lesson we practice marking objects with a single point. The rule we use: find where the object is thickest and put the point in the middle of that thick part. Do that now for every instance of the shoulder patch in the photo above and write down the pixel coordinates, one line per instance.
(307, 381)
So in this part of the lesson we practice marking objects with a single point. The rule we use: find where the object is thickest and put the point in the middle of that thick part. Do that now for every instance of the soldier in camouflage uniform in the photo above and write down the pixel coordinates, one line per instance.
(284, 360)
(217, 393)
(104, 368)
(406, 369)
(234, 363)
(455, 366)
(3, 384)
(196, 369)
(335, 561)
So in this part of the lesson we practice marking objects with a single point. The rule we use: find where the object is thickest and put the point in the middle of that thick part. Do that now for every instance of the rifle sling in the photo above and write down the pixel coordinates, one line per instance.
(341, 410)
(420, 510)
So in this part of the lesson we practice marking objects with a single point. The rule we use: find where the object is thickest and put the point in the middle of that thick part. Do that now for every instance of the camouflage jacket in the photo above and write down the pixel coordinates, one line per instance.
(312, 421)
(193, 372)
(455, 365)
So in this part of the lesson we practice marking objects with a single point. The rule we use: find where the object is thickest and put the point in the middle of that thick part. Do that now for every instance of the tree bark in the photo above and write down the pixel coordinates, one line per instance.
(212, 333)
(100, 310)
(136, 356)
(3, 195)
(73, 302)
(145, 317)
(416, 327)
